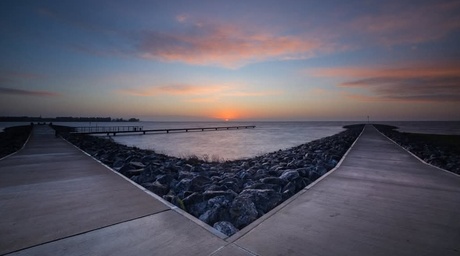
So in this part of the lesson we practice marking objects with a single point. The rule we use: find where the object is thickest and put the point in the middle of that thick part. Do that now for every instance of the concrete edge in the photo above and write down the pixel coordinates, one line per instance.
(23, 146)
(168, 204)
(237, 246)
(421, 160)
(272, 212)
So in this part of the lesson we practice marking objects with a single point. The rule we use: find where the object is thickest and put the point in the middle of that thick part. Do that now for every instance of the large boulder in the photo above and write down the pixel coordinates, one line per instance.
(217, 210)
(225, 227)
(243, 211)
(199, 183)
(157, 188)
(195, 204)
(289, 175)
(264, 199)
(229, 194)
(182, 186)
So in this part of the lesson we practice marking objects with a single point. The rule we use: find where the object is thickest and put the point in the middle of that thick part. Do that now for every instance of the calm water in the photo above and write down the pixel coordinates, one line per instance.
(232, 144)
(236, 144)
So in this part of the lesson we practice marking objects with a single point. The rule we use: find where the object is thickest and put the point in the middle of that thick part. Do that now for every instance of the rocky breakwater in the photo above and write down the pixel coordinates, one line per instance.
(439, 150)
(226, 195)
(13, 138)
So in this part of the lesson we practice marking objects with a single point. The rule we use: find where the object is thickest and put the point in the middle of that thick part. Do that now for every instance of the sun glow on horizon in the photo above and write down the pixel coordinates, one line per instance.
(227, 115)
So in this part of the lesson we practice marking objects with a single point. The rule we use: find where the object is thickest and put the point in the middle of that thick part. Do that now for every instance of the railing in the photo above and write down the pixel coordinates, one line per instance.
(107, 129)
(139, 129)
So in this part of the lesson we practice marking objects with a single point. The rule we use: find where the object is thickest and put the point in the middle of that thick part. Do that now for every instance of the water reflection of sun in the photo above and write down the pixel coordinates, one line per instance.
(226, 119)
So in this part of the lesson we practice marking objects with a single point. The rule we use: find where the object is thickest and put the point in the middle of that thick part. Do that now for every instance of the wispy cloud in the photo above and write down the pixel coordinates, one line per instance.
(222, 45)
(12, 91)
(415, 83)
(9, 76)
(401, 23)
(175, 89)
(198, 93)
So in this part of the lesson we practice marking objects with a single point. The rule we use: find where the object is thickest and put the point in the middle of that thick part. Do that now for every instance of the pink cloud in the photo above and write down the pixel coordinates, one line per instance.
(223, 45)
(202, 93)
(414, 83)
(408, 24)
(176, 89)
(440, 69)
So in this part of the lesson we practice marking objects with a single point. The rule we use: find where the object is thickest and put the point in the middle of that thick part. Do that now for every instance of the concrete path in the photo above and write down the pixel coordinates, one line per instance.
(54, 200)
(54, 196)
(380, 201)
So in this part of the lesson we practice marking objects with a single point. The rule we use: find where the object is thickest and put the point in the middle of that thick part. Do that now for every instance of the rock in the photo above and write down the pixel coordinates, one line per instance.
(243, 211)
(156, 188)
(289, 175)
(303, 172)
(125, 168)
(321, 170)
(264, 199)
(182, 187)
(289, 190)
(225, 228)
(118, 164)
(217, 210)
(137, 165)
(146, 159)
(274, 180)
(175, 200)
(198, 183)
(148, 175)
(165, 179)
(186, 175)
(214, 187)
(195, 204)
(134, 172)
(229, 194)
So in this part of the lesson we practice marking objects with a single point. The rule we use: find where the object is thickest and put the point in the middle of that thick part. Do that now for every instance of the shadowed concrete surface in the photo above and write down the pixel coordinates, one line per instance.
(381, 201)
(50, 190)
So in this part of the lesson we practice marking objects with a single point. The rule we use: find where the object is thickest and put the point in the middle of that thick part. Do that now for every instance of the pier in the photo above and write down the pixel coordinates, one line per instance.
(379, 200)
(114, 130)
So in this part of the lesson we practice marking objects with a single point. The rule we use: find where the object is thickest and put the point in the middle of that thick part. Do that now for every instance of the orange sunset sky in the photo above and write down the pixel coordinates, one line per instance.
(236, 60)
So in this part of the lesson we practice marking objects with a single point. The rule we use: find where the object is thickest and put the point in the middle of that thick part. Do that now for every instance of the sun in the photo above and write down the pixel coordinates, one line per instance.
(226, 115)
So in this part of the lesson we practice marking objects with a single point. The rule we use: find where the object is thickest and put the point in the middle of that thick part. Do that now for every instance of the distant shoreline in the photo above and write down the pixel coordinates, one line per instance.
(64, 119)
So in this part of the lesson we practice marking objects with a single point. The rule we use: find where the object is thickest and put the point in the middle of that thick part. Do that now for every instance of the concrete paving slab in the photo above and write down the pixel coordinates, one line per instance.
(61, 192)
(165, 233)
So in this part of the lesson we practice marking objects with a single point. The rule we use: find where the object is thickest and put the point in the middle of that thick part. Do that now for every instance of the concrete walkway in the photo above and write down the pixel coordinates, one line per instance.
(54, 200)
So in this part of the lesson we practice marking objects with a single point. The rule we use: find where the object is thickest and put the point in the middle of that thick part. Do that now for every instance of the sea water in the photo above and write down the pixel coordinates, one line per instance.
(230, 144)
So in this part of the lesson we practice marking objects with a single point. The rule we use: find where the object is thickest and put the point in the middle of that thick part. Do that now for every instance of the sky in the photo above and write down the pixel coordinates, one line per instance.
(231, 60)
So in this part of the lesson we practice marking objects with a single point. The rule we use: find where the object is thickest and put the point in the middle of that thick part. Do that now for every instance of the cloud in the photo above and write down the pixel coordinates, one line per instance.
(181, 18)
(222, 45)
(10, 76)
(198, 93)
(410, 70)
(175, 89)
(436, 83)
(11, 91)
(402, 23)
(431, 89)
